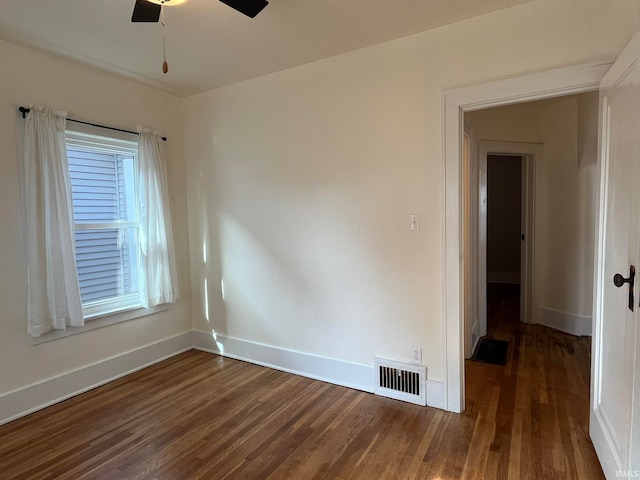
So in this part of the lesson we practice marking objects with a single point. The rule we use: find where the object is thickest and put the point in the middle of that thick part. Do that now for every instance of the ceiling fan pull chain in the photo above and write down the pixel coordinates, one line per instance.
(165, 65)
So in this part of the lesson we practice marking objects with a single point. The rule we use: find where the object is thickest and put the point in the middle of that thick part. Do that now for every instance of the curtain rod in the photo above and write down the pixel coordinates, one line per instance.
(25, 110)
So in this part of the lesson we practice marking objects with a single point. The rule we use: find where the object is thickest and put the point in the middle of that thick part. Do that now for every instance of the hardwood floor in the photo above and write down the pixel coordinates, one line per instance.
(200, 416)
(536, 408)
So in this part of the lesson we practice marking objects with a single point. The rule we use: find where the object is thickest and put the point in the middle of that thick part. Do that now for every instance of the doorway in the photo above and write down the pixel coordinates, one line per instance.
(504, 239)
(553, 83)
(504, 209)
(509, 258)
(540, 362)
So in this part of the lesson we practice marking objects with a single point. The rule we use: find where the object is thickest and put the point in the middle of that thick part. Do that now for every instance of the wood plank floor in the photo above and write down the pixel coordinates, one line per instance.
(532, 415)
(200, 416)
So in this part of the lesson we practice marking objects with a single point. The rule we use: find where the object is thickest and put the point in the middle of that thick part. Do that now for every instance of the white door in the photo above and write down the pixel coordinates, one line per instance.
(615, 396)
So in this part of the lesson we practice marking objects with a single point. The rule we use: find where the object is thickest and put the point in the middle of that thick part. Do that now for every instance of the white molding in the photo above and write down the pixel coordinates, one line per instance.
(331, 370)
(527, 88)
(39, 395)
(26, 400)
(435, 394)
(537, 86)
(578, 325)
(352, 375)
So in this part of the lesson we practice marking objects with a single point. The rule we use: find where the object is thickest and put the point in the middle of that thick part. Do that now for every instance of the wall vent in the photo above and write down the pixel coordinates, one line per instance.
(402, 381)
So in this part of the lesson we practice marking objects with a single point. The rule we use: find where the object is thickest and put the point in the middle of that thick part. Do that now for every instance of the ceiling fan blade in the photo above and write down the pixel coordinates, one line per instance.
(250, 8)
(145, 11)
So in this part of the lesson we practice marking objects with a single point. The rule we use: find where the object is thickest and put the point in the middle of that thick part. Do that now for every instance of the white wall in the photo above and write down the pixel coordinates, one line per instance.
(301, 182)
(29, 77)
(565, 201)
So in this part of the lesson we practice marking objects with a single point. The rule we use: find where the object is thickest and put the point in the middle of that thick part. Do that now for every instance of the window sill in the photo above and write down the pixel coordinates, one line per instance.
(97, 322)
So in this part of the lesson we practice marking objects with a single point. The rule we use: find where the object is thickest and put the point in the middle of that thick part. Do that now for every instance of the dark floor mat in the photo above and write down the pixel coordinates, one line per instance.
(490, 350)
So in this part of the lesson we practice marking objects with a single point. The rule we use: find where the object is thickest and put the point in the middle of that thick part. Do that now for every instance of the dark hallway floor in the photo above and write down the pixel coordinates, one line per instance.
(503, 310)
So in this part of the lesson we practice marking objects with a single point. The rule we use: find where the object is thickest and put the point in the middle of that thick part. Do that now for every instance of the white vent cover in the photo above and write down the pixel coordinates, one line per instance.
(402, 381)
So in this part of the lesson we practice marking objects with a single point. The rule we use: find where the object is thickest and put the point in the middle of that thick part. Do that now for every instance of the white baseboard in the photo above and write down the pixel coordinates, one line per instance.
(34, 397)
(565, 322)
(435, 394)
(26, 400)
(338, 372)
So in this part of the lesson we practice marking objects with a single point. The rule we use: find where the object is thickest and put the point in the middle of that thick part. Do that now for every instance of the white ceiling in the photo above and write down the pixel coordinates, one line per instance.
(209, 44)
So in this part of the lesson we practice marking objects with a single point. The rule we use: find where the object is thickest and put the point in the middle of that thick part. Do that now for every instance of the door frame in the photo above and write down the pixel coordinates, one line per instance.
(536, 86)
(531, 153)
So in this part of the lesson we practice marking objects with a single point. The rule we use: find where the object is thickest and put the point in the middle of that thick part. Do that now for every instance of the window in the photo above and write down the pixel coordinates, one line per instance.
(95, 247)
(105, 221)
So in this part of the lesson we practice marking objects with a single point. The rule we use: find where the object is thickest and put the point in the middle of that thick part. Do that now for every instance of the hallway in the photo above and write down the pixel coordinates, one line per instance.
(533, 413)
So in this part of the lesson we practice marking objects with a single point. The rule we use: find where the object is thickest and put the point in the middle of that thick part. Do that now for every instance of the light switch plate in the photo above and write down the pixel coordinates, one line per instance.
(414, 222)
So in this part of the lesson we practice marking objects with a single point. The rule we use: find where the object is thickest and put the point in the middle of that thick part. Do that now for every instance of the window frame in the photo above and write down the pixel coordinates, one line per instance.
(113, 146)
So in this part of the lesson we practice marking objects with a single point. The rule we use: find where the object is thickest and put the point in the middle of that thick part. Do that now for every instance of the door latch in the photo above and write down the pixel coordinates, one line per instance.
(619, 280)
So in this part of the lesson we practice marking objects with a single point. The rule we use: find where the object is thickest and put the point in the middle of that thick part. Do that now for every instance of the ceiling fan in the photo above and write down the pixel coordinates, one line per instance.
(149, 10)
(152, 10)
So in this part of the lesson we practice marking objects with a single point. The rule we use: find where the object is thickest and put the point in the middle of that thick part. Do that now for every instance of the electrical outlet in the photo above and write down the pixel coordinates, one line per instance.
(416, 354)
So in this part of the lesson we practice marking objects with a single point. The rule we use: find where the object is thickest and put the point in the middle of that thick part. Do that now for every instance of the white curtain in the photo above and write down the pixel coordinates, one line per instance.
(159, 282)
(53, 293)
